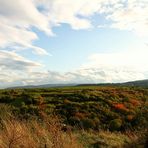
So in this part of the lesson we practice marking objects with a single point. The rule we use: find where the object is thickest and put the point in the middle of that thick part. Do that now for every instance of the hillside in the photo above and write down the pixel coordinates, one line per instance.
(98, 105)
(140, 83)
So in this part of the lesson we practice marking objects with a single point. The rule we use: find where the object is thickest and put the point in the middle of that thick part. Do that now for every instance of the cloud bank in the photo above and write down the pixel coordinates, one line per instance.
(99, 68)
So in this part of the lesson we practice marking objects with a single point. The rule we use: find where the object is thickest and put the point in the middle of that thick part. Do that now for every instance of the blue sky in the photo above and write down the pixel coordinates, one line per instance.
(67, 41)
(75, 46)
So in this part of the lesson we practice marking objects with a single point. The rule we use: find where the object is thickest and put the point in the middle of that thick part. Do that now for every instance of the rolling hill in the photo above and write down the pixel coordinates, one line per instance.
(139, 83)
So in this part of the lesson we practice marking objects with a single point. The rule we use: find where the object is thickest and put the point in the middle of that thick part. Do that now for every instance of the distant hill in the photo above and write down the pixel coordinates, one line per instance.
(139, 83)
(42, 86)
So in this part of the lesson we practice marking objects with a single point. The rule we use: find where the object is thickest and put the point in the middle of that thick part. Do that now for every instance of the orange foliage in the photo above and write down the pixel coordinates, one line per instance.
(130, 117)
(120, 106)
(134, 102)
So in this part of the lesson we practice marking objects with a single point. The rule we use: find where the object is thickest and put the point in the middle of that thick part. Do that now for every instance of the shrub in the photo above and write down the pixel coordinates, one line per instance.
(134, 102)
(120, 107)
(87, 123)
(115, 124)
(130, 117)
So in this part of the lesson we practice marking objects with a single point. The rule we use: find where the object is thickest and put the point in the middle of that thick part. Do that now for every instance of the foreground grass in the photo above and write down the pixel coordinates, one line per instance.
(49, 133)
(35, 134)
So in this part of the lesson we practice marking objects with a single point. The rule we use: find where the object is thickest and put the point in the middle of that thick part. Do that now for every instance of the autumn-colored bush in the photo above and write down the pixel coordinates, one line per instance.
(130, 117)
(134, 102)
(120, 106)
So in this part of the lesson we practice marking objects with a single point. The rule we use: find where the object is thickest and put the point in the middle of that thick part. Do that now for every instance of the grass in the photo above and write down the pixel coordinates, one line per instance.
(15, 133)
(48, 133)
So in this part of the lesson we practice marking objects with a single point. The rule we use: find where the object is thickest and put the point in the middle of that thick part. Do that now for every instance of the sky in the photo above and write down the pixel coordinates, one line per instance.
(73, 41)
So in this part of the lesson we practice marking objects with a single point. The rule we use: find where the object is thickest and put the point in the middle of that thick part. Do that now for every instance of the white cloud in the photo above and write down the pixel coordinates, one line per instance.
(89, 75)
(131, 60)
(117, 67)
(100, 68)
(24, 14)
(125, 14)
(14, 67)
(17, 17)
(13, 36)
(132, 17)
(11, 60)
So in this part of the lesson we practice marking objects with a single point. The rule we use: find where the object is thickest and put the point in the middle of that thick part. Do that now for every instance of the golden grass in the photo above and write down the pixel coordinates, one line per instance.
(48, 133)
(34, 134)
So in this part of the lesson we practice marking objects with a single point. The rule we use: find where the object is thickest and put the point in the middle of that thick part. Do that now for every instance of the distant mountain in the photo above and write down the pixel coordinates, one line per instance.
(139, 83)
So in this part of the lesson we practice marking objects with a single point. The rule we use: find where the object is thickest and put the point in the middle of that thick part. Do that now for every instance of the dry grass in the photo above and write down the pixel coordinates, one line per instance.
(48, 133)
(34, 134)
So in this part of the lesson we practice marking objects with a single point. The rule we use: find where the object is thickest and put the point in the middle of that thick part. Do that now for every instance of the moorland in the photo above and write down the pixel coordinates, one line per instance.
(75, 116)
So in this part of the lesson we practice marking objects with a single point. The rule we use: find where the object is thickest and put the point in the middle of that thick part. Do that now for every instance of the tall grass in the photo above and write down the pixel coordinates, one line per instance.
(15, 133)
(43, 132)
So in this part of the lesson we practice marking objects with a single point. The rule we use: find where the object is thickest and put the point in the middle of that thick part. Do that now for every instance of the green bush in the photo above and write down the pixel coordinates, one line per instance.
(115, 124)
(87, 123)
